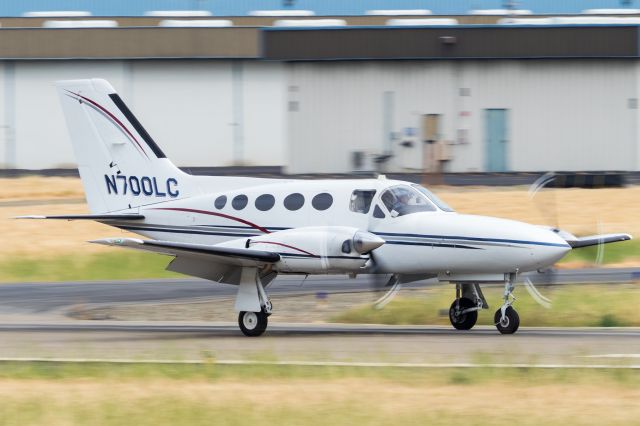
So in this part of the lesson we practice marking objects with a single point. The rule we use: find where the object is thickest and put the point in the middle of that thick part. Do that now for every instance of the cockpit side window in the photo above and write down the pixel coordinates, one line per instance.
(378, 213)
(360, 201)
(403, 200)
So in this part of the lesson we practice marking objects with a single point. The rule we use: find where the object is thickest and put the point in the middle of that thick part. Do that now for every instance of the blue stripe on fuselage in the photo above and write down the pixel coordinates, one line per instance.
(478, 239)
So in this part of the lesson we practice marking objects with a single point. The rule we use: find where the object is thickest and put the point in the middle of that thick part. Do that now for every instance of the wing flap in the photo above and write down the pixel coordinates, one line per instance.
(224, 255)
(594, 240)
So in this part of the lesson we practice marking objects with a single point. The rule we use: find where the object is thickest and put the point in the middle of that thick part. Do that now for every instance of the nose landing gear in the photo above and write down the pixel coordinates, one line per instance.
(507, 323)
(506, 318)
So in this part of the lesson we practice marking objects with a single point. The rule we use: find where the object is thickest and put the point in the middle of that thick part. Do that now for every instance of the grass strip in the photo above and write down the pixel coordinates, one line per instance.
(573, 306)
(53, 393)
(106, 266)
(210, 371)
(611, 253)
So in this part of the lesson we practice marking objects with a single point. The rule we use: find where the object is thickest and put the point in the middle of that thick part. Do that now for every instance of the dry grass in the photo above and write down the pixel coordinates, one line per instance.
(579, 211)
(37, 238)
(297, 401)
(38, 188)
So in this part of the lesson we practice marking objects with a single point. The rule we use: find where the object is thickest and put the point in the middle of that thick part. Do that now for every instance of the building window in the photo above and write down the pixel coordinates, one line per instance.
(239, 202)
(361, 200)
(294, 201)
(322, 201)
(265, 202)
(220, 202)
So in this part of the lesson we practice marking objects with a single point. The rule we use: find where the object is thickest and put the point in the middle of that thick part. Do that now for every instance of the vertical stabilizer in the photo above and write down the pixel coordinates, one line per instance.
(121, 166)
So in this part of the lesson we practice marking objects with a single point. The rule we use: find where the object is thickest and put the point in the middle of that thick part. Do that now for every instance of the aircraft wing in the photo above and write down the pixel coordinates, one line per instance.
(594, 240)
(197, 252)
(98, 217)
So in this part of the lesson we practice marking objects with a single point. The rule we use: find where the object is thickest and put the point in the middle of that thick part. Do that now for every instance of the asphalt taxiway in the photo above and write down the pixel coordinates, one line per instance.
(32, 326)
(34, 298)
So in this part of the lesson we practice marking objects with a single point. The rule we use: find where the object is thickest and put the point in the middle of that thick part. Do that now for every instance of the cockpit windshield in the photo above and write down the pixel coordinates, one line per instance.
(403, 200)
(434, 199)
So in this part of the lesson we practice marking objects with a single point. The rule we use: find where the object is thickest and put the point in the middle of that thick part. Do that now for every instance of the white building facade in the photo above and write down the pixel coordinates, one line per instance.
(201, 112)
(473, 116)
(340, 116)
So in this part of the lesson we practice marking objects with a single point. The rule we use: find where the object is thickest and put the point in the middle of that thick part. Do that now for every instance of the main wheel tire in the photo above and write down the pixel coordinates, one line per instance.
(510, 323)
(464, 321)
(253, 324)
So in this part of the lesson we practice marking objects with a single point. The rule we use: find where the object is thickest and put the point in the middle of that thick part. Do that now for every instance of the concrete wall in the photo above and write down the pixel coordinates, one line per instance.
(563, 115)
(199, 111)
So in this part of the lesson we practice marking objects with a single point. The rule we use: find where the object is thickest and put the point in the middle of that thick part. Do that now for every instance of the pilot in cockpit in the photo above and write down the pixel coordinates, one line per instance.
(401, 201)
(397, 200)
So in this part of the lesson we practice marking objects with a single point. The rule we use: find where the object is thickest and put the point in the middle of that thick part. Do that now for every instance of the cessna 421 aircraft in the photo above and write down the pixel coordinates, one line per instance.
(246, 231)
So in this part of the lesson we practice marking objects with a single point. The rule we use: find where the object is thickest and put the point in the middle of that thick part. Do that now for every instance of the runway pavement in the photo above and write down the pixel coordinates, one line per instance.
(294, 343)
(30, 328)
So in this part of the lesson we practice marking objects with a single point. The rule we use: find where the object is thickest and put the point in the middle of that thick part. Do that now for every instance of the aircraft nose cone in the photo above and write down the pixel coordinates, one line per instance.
(364, 242)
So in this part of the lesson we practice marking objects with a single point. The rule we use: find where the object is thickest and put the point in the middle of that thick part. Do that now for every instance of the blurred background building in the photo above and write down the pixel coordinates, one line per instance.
(319, 86)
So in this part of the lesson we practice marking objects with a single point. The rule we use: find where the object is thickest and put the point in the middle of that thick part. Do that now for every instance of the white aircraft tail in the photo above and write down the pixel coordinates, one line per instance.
(120, 165)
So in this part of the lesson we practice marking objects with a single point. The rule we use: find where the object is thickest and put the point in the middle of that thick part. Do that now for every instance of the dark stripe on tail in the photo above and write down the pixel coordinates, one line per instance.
(136, 125)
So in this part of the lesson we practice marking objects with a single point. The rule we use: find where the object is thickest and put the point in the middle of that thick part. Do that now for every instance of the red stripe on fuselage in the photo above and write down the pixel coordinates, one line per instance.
(207, 212)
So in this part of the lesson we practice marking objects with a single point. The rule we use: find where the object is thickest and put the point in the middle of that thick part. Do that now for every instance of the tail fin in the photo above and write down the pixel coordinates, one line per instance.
(120, 165)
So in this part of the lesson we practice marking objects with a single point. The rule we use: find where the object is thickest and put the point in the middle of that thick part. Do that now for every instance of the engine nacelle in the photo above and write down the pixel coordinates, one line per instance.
(318, 249)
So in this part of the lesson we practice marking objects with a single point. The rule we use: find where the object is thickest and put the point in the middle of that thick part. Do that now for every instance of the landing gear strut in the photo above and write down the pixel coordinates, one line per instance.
(506, 318)
(252, 301)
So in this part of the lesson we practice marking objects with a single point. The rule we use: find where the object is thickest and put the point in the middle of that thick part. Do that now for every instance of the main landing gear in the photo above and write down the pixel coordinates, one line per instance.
(252, 302)
(463, 313)
(253, 324)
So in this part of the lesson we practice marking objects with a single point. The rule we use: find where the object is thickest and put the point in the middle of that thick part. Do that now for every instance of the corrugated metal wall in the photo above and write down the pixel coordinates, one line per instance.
(562, 115)
(190, 107)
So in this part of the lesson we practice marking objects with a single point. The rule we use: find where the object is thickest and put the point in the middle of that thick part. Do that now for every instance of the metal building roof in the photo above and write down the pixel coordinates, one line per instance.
(319, 7)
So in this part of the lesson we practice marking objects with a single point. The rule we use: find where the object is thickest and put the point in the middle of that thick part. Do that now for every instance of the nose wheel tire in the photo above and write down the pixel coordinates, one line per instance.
(463, 321)
(510, 323)
(253, 324)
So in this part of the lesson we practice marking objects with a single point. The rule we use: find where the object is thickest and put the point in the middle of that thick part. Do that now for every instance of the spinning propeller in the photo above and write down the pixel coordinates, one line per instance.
(380, 282)
(548, 207)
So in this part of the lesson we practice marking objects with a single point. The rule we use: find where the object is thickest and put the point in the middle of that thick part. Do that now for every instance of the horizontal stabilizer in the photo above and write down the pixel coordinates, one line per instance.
(99, 217)
(227, 255)
(594, 240)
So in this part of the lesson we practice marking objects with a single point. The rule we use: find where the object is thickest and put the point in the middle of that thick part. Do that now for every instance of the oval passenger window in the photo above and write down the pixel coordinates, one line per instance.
(265, 202)
(322, 201)
(220, 202)
(294, 201)
(239, 202)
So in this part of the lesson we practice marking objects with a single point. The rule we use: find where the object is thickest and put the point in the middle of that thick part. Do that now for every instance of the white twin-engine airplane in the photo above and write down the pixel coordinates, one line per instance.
(245, 231)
